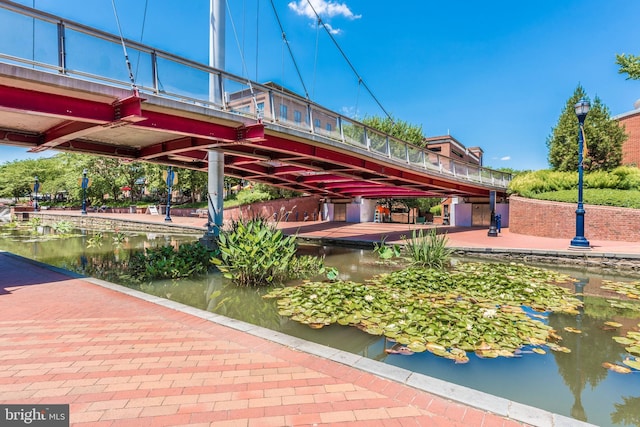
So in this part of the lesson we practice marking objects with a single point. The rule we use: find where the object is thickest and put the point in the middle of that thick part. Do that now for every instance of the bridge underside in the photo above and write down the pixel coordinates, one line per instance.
(48, 112)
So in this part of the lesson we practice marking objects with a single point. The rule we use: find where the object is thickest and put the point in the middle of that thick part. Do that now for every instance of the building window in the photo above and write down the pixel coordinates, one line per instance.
(316, 123)
(283, 112)
(329, 127)
(297, 116)
(260, 107)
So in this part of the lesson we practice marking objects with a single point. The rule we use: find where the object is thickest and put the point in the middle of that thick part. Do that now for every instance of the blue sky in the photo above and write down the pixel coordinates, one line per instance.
(492, 74)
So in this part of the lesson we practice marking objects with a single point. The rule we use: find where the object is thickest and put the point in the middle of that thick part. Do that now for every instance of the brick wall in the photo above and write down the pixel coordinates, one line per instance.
(554, 219)
(298, 205)
(631, 147)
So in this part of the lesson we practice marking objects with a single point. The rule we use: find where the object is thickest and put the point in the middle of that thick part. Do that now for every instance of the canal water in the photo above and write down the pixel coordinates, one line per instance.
(573, 384)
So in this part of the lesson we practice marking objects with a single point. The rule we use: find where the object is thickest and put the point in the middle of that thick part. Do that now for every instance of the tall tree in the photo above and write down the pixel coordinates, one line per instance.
(630, 65)
(604, 138)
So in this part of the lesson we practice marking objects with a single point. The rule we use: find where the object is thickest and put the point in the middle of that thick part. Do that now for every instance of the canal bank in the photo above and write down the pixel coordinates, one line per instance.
(466, 241)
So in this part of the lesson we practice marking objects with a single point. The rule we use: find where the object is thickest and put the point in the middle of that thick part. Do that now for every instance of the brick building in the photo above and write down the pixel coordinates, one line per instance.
(631, 147)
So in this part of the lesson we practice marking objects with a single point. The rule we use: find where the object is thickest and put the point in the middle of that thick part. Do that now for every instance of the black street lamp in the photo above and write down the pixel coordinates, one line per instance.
(170, 178)
(580, 242)
(36, 186)
(84, 185)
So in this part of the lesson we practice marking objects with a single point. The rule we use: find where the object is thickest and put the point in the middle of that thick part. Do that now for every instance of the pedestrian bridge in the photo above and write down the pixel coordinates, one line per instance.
(65, 86)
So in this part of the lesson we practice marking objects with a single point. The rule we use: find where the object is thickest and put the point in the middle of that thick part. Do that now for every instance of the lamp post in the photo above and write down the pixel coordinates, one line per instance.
(84, 185)
(170, 178)
(580, 242)
(36, 186)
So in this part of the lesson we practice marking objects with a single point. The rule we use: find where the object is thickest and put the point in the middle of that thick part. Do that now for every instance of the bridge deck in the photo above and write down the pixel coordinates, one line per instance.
(68, 103)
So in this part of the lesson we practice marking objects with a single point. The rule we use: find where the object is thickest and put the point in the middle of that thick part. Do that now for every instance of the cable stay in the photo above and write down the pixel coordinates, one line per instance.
(242, 59)
(360, 80)
(286, 42)
(144, 20)
(315, 59)
(124, 49)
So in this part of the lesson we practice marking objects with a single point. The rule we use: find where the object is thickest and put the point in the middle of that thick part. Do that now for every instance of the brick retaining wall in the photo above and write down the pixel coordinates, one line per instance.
(554, 219)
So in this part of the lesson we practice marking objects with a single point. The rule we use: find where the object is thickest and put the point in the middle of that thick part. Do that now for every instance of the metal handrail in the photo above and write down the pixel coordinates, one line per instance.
(346, 131)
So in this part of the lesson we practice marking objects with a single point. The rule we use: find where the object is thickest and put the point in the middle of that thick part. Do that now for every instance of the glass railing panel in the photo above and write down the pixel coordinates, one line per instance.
(325, 123)
(30, 41)
(244, 99)
(353, 133)
(415, 156)
(290, 112)
(377, 141)
(398, 150)
(432, 160)
(106, 61)
(186, 83)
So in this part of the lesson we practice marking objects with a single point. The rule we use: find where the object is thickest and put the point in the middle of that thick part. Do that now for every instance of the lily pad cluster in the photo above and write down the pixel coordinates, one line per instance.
(473, 308)
(630, 290)
(631, 341)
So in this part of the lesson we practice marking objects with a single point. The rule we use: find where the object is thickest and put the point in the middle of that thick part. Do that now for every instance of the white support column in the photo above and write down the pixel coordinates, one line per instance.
(216, 158)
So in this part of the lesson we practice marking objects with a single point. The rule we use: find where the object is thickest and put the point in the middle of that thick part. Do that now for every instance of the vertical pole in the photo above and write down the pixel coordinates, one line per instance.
(36, 186)
(216, 158)
(579, 241)
(170, 176)
(493, 229)
(85, 183)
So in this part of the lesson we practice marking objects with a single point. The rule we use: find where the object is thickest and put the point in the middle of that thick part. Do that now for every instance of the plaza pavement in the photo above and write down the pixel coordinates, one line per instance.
(119, 357)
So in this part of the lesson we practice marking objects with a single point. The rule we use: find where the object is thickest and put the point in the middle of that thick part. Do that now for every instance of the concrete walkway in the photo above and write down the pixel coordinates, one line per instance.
(119, 357)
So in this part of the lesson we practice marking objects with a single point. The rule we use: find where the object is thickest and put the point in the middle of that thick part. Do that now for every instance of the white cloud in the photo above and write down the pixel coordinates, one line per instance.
(324, 8)
(505, 158)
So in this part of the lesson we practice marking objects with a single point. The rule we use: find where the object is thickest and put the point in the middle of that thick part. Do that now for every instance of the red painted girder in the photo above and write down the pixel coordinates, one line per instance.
(18, 138)
(95, 148)
(324, 154)
(186, 126)
(258, 173)
(65, 131)
(34, 102)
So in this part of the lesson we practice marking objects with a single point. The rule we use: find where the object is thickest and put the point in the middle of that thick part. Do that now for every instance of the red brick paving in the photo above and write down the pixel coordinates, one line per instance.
(121, 361)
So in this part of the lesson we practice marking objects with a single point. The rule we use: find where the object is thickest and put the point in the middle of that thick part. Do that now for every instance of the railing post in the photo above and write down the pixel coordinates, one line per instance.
(272, 106)
(366, 138)
(310, 118)
(62, 51)
(406, 152)
(339, 121)
(154, 72)
(388, 146)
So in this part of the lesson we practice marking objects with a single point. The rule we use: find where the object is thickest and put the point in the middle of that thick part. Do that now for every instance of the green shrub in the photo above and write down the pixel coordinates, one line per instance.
(165, 262)
(246, 197)
(436, 210)
(543, 184)
(593, 196)
(255, 253)
(428, 250)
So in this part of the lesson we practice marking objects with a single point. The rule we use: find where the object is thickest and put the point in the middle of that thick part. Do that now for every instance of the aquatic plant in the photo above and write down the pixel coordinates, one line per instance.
(255, 253)
(474, 308)
(428, 250)
(165, 262)
(62, 227)
(95, 240)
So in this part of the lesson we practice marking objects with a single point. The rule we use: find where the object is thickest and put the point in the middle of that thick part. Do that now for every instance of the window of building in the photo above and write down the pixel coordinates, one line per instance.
(316, 123)
(329, 127)
(260, 107)
(283, 112)
(297, 116)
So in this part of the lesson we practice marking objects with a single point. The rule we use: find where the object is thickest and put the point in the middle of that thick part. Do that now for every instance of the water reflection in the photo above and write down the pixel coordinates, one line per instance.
(573, 384)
